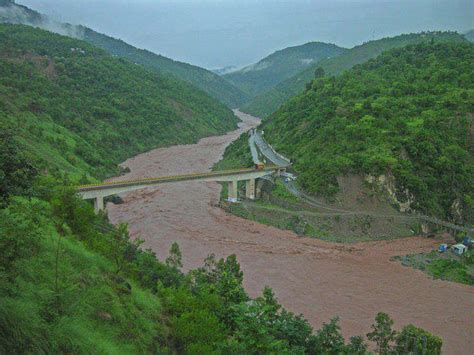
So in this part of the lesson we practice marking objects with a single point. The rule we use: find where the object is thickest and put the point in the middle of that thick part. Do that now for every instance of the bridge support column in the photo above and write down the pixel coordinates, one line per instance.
(232, 193)
(250, 189)
(258, 188)
(99, 204)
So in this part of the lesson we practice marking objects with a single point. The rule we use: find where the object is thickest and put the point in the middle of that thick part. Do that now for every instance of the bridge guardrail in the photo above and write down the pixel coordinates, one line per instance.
(146, 181)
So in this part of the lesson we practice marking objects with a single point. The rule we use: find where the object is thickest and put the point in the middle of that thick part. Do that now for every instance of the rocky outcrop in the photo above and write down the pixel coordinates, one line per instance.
(386, 183)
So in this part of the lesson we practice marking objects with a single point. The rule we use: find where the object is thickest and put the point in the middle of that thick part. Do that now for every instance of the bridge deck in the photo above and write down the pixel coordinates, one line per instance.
(176, 178)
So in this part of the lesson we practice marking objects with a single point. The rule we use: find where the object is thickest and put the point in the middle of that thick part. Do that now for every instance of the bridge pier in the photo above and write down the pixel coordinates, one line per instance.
(252, 178)
(250, 189)
(232, 191)
(99, 204)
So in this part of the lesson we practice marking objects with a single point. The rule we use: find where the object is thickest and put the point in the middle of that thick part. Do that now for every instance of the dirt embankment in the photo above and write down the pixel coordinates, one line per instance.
(316, 278)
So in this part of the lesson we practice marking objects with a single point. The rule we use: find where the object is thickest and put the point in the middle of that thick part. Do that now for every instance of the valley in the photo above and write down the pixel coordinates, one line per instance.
(313, 277)
(316, 199)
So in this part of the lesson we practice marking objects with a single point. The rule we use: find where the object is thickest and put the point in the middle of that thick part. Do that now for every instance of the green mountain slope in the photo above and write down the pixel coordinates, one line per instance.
(281, 65)
(268, 102)
(203, 79)
(70, 282)
(78, 109)
(405, 117)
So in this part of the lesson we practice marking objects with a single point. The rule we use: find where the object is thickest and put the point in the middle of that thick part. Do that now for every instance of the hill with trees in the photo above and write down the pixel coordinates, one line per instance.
(280, 65)
(405, 118)
(76, 108)
(268, 102)
(70, 282)
(201, 78)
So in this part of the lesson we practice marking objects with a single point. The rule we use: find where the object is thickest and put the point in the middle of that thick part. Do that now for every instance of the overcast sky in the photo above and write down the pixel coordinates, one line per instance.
(218, 33)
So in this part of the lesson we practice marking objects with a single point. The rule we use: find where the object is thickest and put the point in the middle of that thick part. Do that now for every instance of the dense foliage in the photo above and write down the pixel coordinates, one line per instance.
(236, 155)
(16, 172)
(81, 110)
(72, 283)
(281, 65)
(268, 102)
(201, 78)
(406, 114)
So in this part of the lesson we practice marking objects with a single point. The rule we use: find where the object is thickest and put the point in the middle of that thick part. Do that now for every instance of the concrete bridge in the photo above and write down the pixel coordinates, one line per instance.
(97, 192)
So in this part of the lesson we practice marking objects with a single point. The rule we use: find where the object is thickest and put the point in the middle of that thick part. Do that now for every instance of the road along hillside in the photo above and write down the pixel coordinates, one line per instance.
(309, 276)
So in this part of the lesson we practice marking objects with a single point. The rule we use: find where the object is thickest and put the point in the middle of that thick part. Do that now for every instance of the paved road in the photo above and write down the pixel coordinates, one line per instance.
(268, 152)
(253, 149)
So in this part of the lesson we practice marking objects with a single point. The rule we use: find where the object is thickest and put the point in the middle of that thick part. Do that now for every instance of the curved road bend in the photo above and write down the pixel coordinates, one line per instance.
(309, 276)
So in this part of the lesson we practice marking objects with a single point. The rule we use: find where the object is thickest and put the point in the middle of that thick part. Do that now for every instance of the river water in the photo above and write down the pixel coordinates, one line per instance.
(316, 278)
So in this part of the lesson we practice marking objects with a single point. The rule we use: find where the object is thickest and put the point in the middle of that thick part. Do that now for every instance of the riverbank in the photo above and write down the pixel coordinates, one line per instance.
(313, 277)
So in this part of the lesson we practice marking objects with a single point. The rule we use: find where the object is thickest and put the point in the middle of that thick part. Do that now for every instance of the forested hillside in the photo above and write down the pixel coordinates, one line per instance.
(203, 79)
(75, 108)
(408, 114)
(281, 65)
(269, 101)
(70, 282)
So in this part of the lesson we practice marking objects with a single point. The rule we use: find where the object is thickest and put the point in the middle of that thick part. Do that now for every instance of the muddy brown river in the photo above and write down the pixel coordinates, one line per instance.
(316, 278)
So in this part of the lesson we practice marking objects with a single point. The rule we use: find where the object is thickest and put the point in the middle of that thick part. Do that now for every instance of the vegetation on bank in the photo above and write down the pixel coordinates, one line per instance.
(77, 109)
(72, 283)
(268, 102)
(444, 266)
(407, 114)
(236, 155)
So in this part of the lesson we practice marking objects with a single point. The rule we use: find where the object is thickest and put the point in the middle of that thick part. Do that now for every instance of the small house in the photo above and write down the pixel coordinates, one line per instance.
(459, 249)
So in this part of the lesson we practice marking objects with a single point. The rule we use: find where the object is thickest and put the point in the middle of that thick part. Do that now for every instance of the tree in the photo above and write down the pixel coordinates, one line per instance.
(382, 333)
(319, 73)
(357, 346)
(16, 171)
(329, 339)
(21, 229)
(174, 259)
(413, 340)
(225, 279)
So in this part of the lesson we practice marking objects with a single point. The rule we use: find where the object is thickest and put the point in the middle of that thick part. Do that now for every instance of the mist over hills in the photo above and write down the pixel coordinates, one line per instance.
(203, 79)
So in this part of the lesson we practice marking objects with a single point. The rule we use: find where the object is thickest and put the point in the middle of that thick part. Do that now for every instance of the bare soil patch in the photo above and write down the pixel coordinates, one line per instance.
(317, 278)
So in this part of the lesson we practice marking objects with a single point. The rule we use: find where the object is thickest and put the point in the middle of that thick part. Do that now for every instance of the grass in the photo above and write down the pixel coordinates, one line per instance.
(444, 266)
(281, 192)
(82, 308)
(237, 155)
(59, 157)
(451, 270)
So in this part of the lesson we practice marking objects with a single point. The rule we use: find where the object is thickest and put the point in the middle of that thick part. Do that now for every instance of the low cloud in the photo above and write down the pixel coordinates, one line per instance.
(20, 15)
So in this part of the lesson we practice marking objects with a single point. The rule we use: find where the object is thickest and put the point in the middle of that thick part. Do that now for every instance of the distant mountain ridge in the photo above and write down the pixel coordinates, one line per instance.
(280, 65)
(269, 101)
(202, 78)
